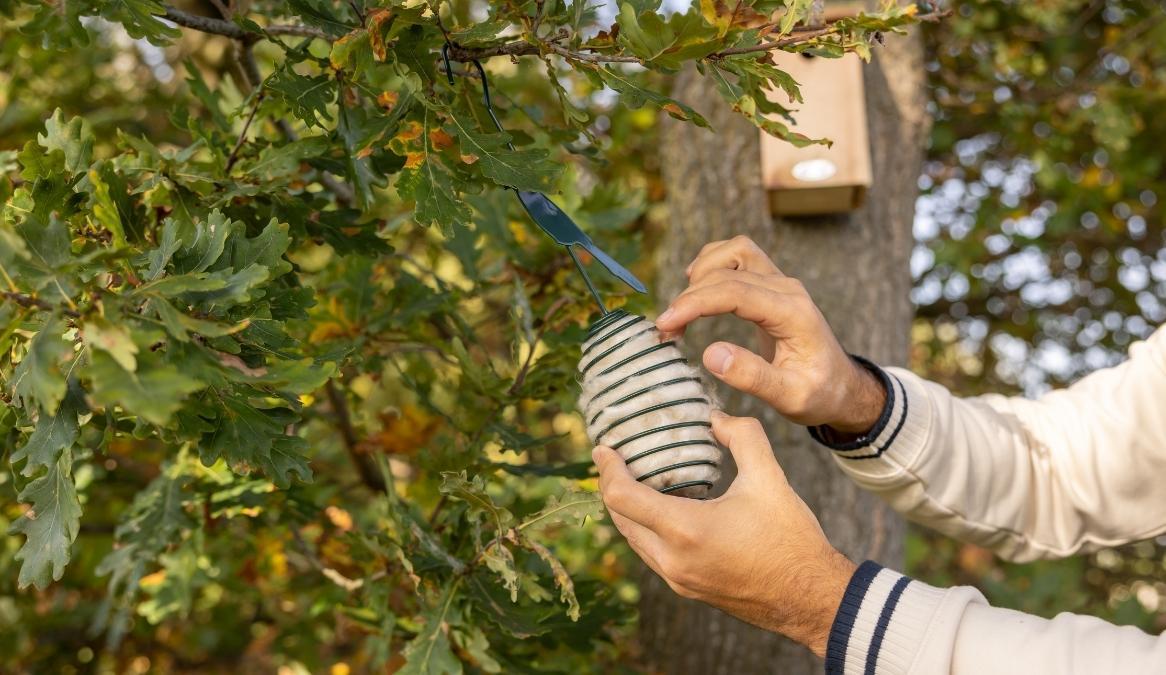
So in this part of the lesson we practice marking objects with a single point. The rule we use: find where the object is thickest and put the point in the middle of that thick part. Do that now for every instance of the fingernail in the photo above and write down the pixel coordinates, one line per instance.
(688, 270)
(665, 316)
(718, 359)
(718, 414)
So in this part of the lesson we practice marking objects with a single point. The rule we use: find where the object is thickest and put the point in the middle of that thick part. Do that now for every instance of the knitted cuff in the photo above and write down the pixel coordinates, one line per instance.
(881, 622)
(886, 428)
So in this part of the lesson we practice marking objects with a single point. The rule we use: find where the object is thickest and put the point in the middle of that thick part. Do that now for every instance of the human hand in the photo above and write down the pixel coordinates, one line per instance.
(801, 371)
(756, 552)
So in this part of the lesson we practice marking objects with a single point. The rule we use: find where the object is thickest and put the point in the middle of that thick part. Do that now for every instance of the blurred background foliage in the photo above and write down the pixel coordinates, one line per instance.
(1041, 249)
(1041, 255)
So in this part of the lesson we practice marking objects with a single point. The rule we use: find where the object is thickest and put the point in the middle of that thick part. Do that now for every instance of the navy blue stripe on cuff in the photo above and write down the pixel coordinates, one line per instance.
(847, 613)
(824, 434)
(879, 450)
(876, 640)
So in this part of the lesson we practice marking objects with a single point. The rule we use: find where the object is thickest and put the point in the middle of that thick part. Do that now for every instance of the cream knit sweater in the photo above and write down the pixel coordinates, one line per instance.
(1073, 471)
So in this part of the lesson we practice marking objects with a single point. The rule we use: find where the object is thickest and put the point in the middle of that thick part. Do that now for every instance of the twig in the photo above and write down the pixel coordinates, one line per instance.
(540, 8)
(293, 29)
(542, 329)
(806, 36)
(234, 156)
(592, 58)
(232, 30)
(31, 302)
(369, 477)
(205, 24)
(248, 64)
(516, 48)
(342, 190)
(776, 44)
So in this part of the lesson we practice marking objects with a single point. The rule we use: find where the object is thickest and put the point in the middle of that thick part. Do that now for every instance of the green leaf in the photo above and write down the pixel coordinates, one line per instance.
(114, 340)
(50, 525)
(167, 247)
(53, 434)
(58, 26)
(573, 508)
(180, 284)
(519, 169)
(282, 161)
(36, 162)
(181, 325)
(429, 653)
(236, 288)
(429, 184)
(795, 11)
(635, 95)
(141, 19)
(500, 560)
(473, 493)
(644, 35)
(209, 241)
(73, 138)
(747, 103)
(267, 249)
(360, 173)
(38, 378)
(153, 393)
(684, 37)
(323, 15)
(518, 620)
(174, 594)
(285, 458)
(113, 208)
(472, 641)
(244, 434)
(308, 98)
(153, 522)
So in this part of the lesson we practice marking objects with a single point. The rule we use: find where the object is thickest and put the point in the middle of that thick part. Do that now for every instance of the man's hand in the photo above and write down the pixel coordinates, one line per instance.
(801, 370)
(757, 552)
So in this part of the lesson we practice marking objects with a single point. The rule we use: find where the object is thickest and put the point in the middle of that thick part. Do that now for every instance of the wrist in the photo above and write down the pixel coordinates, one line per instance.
(825, 598)
(863, 401)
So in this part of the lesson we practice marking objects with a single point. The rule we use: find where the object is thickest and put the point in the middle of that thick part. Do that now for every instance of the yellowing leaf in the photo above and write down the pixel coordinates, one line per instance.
(388, 99)
(439, 139)
(404, 432)
(414, 159)
(377, 21)
(339, 518)
(410, 130)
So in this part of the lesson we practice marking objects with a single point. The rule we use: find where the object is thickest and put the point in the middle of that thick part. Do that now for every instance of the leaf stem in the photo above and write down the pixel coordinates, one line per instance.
(234, 156)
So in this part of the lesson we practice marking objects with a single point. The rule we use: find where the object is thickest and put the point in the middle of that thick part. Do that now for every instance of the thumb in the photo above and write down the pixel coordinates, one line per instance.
(746, 439)
(742, 370)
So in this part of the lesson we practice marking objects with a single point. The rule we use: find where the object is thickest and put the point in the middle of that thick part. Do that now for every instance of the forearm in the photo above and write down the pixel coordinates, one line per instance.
(1072, 471)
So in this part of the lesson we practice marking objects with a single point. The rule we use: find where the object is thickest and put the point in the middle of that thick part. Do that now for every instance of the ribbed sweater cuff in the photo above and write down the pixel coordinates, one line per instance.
(887, 428)
(881, 623)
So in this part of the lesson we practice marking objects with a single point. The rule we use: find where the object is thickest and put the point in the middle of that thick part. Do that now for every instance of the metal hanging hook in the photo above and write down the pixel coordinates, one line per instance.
(546, 214)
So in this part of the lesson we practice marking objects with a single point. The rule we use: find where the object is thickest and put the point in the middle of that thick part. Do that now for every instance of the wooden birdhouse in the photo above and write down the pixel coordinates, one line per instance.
(818, 179)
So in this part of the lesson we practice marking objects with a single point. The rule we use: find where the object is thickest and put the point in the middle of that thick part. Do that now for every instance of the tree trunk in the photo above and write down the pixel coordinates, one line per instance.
(856, 268)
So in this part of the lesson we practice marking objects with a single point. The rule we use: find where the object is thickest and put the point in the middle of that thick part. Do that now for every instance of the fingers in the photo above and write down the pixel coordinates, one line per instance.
(746, 439)
(624, 495)
(738, 253)
(643, 541)
(773, 310)
(743, 370)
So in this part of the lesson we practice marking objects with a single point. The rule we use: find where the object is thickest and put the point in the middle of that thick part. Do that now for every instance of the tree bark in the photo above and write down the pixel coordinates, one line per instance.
(856, 268)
